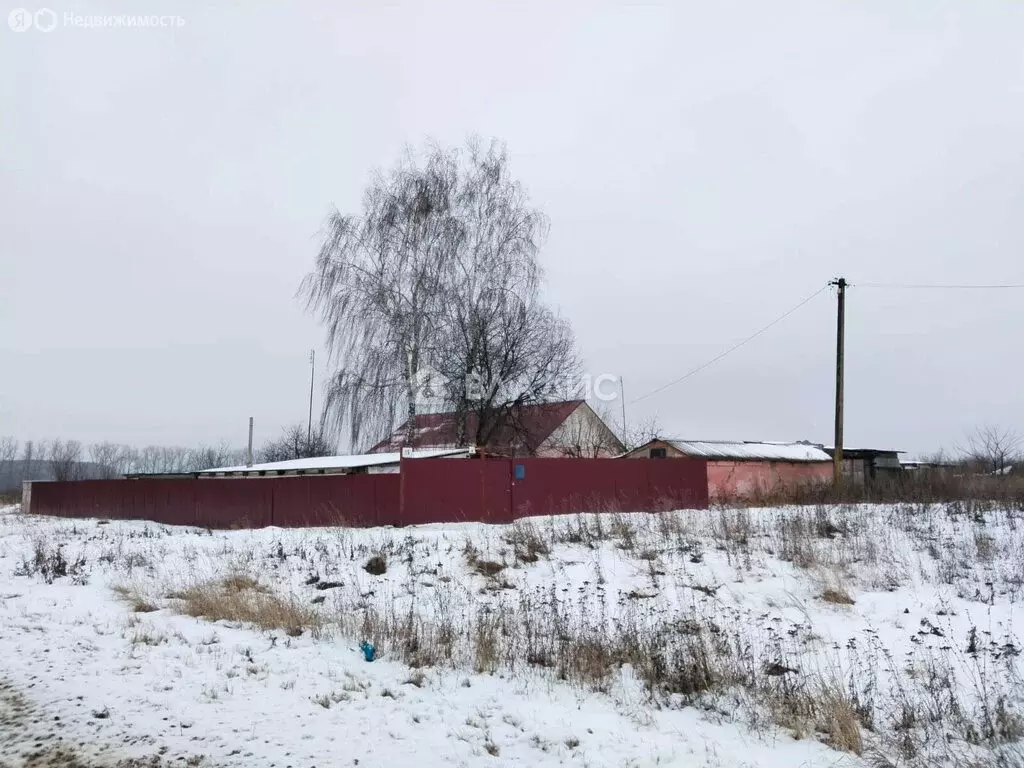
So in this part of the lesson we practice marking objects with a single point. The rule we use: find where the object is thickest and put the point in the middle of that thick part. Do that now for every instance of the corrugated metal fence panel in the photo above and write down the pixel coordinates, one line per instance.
(677, 487)
(387, 503)
(88, 498)
(231, 503)
(353, 500)
(564, 486)
(291, 502)
(455, 491)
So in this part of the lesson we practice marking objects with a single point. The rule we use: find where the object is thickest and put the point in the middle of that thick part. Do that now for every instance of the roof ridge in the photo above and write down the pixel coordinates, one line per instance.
(742, 442)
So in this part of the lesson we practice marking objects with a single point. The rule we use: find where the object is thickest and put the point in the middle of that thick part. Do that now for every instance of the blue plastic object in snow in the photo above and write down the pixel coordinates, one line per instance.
(369, 652)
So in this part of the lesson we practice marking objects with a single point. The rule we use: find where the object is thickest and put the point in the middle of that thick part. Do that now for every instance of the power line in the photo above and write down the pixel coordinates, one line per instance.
(939, 287)
(734, 347)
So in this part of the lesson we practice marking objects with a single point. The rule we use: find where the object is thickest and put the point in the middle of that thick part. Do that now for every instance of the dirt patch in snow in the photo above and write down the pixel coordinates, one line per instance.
(29, 738)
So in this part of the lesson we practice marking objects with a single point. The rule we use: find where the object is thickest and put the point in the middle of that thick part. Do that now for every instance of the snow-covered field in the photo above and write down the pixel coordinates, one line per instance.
(846, 636)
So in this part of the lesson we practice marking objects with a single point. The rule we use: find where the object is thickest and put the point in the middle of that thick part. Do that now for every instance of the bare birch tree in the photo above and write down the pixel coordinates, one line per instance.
(375, 287)
(439, 273)
(503, 348)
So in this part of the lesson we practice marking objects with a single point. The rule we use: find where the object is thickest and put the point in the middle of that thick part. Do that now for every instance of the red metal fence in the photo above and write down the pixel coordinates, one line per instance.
(561, 486)
(360, 500)
(426, 491)
(454, 491)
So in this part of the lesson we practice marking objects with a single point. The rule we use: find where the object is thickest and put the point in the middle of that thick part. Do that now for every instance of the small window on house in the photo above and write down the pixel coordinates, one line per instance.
(658, 453)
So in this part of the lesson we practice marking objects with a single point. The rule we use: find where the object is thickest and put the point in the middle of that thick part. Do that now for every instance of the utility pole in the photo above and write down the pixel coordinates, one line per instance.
(248, 453)
(837, 454)
(309, 426)
(622, 394)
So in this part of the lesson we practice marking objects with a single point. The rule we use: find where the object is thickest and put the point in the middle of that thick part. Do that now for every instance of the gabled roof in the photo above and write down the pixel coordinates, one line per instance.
(750, 450)
(530, 426)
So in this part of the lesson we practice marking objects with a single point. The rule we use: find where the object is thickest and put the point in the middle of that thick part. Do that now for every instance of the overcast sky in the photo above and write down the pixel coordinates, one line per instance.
(705, 166)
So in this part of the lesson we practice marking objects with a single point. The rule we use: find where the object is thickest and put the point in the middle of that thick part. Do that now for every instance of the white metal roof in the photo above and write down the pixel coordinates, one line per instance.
(747, 450)
(332, 462)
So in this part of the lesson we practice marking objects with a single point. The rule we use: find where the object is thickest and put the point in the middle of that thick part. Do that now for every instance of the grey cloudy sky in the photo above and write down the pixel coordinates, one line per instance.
(705, 167)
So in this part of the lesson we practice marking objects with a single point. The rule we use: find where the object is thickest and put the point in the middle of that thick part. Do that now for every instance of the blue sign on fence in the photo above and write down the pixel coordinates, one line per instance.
(520, 471)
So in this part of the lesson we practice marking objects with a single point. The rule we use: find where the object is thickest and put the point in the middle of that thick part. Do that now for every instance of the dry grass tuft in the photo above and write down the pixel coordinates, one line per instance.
(837, 597)
(238, 582)
(138, 602)
(242, 599)
(823, 708)
(837, 718)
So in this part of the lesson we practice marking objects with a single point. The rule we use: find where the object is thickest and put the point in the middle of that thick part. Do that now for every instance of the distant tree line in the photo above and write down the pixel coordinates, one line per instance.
(73, 460)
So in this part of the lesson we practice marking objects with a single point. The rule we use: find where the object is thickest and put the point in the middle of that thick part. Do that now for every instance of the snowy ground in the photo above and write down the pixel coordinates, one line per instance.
(572, 641)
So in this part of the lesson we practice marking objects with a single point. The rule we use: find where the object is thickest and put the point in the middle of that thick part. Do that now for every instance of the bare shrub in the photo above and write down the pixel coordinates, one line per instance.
(588, 530)
(488, 568)
(49, 563)
(376, 566)
(797, 540)
(485, 567)
(417, 679)
(588, 661)
(624, 532)
(985, 546)
(528, 546)
(733, 526)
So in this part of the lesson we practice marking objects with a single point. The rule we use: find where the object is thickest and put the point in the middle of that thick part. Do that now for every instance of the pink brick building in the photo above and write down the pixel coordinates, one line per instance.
(738, 469)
